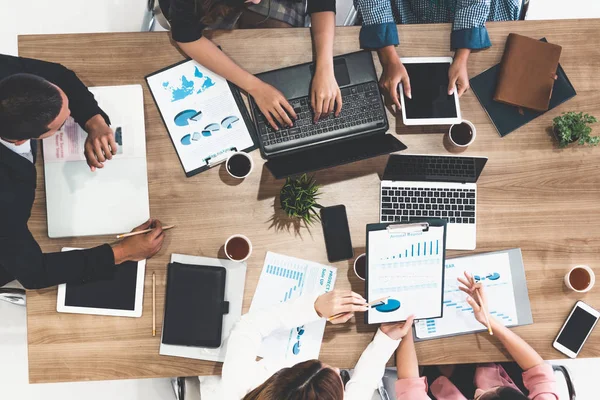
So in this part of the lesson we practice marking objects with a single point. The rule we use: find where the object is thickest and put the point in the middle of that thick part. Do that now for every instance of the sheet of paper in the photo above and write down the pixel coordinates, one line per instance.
(68, 143)
(200, 113)
(283, 279)
(408, 267)
(493, 270)
(234, 293)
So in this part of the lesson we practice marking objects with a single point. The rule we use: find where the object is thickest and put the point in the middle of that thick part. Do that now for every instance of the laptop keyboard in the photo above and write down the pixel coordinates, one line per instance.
(362, 110)
(433, 166)
(403, 204)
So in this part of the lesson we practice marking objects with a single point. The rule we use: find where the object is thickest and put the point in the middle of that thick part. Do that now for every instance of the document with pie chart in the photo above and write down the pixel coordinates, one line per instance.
(203, 113)
(407, 266)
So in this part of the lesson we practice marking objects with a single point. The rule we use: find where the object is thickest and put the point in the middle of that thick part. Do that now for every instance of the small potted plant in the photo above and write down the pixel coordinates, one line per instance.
(574, 127)
(298, 199)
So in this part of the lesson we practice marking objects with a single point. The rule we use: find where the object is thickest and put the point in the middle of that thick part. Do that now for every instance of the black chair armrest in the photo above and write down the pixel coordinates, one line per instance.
(564, 370)
(13, 295)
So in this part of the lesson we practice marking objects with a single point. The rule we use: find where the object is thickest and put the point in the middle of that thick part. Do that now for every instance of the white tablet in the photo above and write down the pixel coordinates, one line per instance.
(430, 103)
(123, 296)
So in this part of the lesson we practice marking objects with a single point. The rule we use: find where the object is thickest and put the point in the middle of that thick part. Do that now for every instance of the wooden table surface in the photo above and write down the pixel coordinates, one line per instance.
(531, 195)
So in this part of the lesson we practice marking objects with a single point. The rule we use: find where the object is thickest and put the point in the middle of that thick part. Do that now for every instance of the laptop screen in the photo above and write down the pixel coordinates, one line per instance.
(433, 168)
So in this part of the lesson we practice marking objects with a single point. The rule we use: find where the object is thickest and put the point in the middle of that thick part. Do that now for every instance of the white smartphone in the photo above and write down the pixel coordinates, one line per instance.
(576, 329)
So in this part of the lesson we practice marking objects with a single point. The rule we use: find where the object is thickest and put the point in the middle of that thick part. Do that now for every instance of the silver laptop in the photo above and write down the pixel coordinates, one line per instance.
(432, 186)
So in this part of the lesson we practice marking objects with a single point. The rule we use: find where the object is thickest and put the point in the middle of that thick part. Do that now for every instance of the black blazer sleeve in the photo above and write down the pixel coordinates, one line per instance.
(315, 6)
(21, 257)
(82, 103)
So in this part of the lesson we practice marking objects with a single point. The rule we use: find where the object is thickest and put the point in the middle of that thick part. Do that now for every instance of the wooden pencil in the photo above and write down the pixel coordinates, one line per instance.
(153, 304)
(125, 235)
(485, 312)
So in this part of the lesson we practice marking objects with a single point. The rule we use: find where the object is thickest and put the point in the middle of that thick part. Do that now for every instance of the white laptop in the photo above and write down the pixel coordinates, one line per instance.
(113, 199)
(433, 186)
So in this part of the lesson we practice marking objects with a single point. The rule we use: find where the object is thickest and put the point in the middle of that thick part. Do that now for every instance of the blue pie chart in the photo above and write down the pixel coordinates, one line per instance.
(390, 306)
(186, 140)
(494, 277)
(212, 127)
(184, 117)
(228, 122)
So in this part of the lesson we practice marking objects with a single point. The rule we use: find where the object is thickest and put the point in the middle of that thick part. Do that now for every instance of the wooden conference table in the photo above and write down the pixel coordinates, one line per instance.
(531, 195)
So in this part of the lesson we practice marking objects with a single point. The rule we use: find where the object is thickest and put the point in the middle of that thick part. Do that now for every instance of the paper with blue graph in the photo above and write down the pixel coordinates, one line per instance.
(200, 112)
(283, 279)
(494, 271)
(407, 266)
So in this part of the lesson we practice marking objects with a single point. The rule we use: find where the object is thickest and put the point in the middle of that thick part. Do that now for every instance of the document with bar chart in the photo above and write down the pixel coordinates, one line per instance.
(283, 279)
(494, 271)
(407, 266)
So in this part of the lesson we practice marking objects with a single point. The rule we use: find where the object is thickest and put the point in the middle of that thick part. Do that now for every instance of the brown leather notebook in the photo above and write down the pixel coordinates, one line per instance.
(527, 72)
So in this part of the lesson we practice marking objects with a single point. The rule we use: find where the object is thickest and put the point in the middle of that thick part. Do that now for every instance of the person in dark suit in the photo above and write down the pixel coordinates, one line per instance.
(36, 98)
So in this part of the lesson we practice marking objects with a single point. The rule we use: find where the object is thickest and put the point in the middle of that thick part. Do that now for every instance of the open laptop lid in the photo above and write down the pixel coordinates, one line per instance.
(431, 168)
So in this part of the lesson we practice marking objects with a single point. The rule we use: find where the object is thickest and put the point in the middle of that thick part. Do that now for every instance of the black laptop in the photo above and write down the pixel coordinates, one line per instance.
(359, 132)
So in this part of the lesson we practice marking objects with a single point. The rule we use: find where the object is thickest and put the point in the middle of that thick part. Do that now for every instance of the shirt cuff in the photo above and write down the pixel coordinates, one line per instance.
(379, 35)
(474, 38)
(411, 388)
(320, 6)
(384, 343)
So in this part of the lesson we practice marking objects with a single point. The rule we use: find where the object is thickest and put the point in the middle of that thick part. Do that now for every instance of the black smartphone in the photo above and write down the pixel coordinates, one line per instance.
(337, 233)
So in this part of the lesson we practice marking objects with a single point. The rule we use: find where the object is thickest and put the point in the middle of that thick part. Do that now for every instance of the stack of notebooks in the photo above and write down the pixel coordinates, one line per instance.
(528, 82)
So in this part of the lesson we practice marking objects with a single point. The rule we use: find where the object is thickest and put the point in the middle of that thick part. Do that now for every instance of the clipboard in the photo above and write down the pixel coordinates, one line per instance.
(405, 261)
(511, 260)
(222, 155)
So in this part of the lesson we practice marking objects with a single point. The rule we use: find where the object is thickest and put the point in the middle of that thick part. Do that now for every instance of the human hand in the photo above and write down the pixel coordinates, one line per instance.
(142, 246)
(100, 143)
(394, 74)
(398, 330)
(273, 105)
(325, 94)
(477, 302)
(458, 75)
(337, 302)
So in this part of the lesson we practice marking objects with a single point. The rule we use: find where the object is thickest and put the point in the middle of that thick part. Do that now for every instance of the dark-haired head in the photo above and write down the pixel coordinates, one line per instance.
(309, 380)
(502, 393)
(30, 107)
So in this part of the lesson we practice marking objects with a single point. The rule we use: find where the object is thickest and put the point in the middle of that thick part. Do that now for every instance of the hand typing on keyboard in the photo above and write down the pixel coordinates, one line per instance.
(362, 110)
(273, 105)
(325, 94)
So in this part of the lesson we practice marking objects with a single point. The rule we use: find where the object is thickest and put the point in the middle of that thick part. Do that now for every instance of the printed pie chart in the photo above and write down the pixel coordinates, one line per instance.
(186, 140)
(390, 306)
(212, 127)
(228, 122)
(184, 117)
(494, 277)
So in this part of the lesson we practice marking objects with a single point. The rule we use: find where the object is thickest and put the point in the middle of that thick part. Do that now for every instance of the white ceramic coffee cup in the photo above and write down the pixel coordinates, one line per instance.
(249, 247)
(464, 121)
(363, 255)
(240, 153)
(592, 278)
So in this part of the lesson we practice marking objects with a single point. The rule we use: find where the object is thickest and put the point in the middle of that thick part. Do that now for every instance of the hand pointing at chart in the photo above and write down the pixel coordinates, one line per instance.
(345, 302)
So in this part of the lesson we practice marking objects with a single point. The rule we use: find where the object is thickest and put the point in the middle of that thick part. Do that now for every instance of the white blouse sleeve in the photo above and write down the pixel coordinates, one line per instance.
(370, 367)
(241, 372)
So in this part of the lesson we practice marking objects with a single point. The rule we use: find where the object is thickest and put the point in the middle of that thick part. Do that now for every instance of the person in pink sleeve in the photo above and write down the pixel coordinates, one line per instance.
(491, 381)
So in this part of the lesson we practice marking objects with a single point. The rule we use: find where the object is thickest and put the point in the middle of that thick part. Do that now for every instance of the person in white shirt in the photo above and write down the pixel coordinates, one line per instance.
(245, 378)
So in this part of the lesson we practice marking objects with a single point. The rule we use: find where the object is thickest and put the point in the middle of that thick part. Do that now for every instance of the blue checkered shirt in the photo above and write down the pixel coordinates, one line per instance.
(379, 19)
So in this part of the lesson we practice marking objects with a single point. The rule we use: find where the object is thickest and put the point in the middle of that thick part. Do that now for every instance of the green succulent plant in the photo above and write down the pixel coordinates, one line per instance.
(572, 126)
(298, 198)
